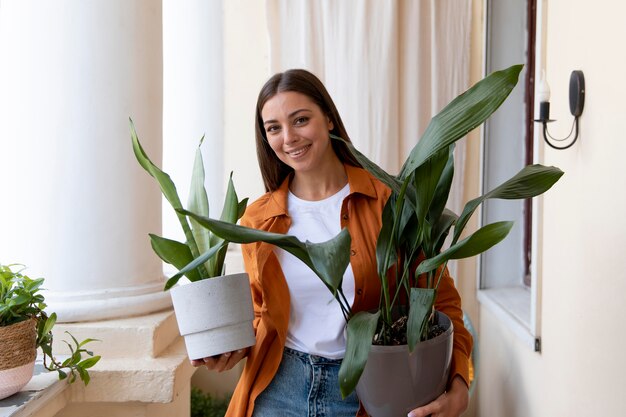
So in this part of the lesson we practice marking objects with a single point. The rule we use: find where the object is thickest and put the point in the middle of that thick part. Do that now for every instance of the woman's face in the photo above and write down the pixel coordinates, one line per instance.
(297, 131)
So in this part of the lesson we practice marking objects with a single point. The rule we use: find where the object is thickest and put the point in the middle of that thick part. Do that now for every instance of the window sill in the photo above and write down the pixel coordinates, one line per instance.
(511, 306)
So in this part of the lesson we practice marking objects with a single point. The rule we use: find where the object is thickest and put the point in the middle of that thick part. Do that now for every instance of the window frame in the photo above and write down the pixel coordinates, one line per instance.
(519, 307)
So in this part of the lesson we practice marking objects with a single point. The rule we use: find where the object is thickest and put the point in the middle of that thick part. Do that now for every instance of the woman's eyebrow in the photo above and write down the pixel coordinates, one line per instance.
(290, 115)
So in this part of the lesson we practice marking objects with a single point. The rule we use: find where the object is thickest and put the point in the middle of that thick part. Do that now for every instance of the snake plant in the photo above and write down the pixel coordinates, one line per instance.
(205, 249)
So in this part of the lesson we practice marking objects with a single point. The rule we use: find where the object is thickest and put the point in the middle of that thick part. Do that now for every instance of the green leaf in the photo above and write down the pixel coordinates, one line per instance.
(422, 300)
(360, 332)
(331, 258)
(241, 234)
(174, 253)
(426, 178)
(462, 115)
(481, 240)
(198, 201)
(88, 340)
(167, 188)
(49, 324)
(389, 180)
(441, 229)
(442, 191)
(62, 375)
(335, 249)
(193, 265)
(89, 362)
(20, 299)
(165, 182)
(531, 181)
(230, 211)
(385, 248)
(242, 208)
(74, 339)
(84, 375)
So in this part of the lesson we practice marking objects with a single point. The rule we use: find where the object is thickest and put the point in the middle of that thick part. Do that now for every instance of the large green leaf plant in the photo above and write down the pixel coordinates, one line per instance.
(415, 225)
(203, 252)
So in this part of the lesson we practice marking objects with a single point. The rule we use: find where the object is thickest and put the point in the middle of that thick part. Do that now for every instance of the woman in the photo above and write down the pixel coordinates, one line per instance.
(314, 189)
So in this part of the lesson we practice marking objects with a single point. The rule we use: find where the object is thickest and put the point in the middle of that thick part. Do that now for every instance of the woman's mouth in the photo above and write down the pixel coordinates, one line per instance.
(297, 153)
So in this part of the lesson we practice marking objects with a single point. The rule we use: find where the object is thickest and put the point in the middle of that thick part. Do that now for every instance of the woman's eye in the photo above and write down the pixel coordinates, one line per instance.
(271, 128)
(301, 120)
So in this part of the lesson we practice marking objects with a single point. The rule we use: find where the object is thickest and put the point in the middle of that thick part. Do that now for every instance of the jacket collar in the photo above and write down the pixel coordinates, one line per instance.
(359, 179)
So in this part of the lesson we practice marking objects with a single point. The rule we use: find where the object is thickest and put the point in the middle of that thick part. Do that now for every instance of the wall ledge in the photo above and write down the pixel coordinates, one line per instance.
(512, 307)
(144, 361)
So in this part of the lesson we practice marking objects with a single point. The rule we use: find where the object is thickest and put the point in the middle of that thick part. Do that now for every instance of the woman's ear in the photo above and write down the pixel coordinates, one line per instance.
(331, 126)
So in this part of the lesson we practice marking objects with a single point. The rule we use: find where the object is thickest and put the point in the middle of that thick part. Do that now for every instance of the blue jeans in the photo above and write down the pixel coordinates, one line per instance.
(305, 386)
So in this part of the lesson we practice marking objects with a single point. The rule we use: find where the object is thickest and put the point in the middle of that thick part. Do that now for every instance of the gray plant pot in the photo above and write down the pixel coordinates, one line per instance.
(214, 315)
(395, 381)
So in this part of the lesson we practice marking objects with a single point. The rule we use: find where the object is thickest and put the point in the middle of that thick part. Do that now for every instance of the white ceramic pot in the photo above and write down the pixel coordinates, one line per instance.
(215, 315)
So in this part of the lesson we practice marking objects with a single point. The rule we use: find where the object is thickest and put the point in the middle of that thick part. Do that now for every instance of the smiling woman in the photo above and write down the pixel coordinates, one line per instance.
(316, 189)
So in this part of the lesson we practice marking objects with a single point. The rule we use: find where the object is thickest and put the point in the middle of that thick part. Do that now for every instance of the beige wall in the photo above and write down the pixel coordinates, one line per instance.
(580, 369)
(246, 64)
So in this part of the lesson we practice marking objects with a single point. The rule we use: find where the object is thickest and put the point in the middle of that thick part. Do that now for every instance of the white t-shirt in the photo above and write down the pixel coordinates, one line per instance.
(316, 324)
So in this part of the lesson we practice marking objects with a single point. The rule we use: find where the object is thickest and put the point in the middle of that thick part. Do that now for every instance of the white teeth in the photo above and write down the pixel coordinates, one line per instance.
(298, 152)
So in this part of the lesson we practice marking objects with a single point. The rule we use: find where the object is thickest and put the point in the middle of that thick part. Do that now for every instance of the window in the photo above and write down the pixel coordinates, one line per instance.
(505, 270)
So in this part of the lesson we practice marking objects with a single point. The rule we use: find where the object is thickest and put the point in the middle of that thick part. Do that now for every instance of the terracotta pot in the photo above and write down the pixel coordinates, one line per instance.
(395, 381)
(18, 350)
(215, 315)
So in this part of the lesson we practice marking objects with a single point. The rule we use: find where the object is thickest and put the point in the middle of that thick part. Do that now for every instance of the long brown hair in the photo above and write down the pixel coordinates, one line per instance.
(273, 170)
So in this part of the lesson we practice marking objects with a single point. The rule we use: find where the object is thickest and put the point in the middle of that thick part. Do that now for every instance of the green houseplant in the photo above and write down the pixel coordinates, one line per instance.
(205, 308)
(24, 327)
(415, 225)
(416, 222)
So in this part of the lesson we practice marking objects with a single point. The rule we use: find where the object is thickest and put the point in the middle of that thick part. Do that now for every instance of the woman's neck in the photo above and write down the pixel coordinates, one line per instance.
(315, 186)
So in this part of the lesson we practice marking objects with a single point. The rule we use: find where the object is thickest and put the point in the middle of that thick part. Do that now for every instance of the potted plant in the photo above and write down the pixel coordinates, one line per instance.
(24, 327)
(411, 243)
(411, 257)
(214, 315)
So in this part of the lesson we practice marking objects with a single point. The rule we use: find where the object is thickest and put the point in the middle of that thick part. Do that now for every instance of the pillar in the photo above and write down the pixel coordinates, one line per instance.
(76, 208)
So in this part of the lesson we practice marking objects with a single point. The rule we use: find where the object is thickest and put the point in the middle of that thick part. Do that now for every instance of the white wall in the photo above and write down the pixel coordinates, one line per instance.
(246, 55)
(580, 369)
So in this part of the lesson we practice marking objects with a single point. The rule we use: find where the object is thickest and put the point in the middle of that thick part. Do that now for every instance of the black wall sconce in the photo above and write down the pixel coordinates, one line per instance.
(576, 105)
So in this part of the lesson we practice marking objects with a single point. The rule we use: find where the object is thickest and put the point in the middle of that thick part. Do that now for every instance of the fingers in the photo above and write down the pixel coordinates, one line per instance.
(434, 408)
(234, 359)
(451, 403)
(222, 362)
(197, 362)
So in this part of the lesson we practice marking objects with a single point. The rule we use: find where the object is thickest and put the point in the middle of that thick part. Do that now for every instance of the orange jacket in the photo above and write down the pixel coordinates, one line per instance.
(361, 213)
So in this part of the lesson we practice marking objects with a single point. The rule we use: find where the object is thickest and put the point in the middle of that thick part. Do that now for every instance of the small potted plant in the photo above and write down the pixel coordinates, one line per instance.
(214, 315)
(24, 327)
(393, 358)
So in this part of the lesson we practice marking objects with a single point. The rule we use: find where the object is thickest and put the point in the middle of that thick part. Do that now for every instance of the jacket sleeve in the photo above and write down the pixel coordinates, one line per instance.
(248, 252)
(448, 301)
(255, 288)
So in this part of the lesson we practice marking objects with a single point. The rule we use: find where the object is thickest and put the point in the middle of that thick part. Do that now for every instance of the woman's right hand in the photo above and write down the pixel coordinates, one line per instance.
(223, 362)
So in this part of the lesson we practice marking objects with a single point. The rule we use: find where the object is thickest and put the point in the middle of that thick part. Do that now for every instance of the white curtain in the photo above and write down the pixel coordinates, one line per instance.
(390, 65)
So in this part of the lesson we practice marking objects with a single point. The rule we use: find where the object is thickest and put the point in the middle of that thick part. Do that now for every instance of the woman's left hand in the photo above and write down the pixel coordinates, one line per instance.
(449, 404)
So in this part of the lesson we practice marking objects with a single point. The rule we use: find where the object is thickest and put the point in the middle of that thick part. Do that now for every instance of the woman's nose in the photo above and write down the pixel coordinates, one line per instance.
(289, 135)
